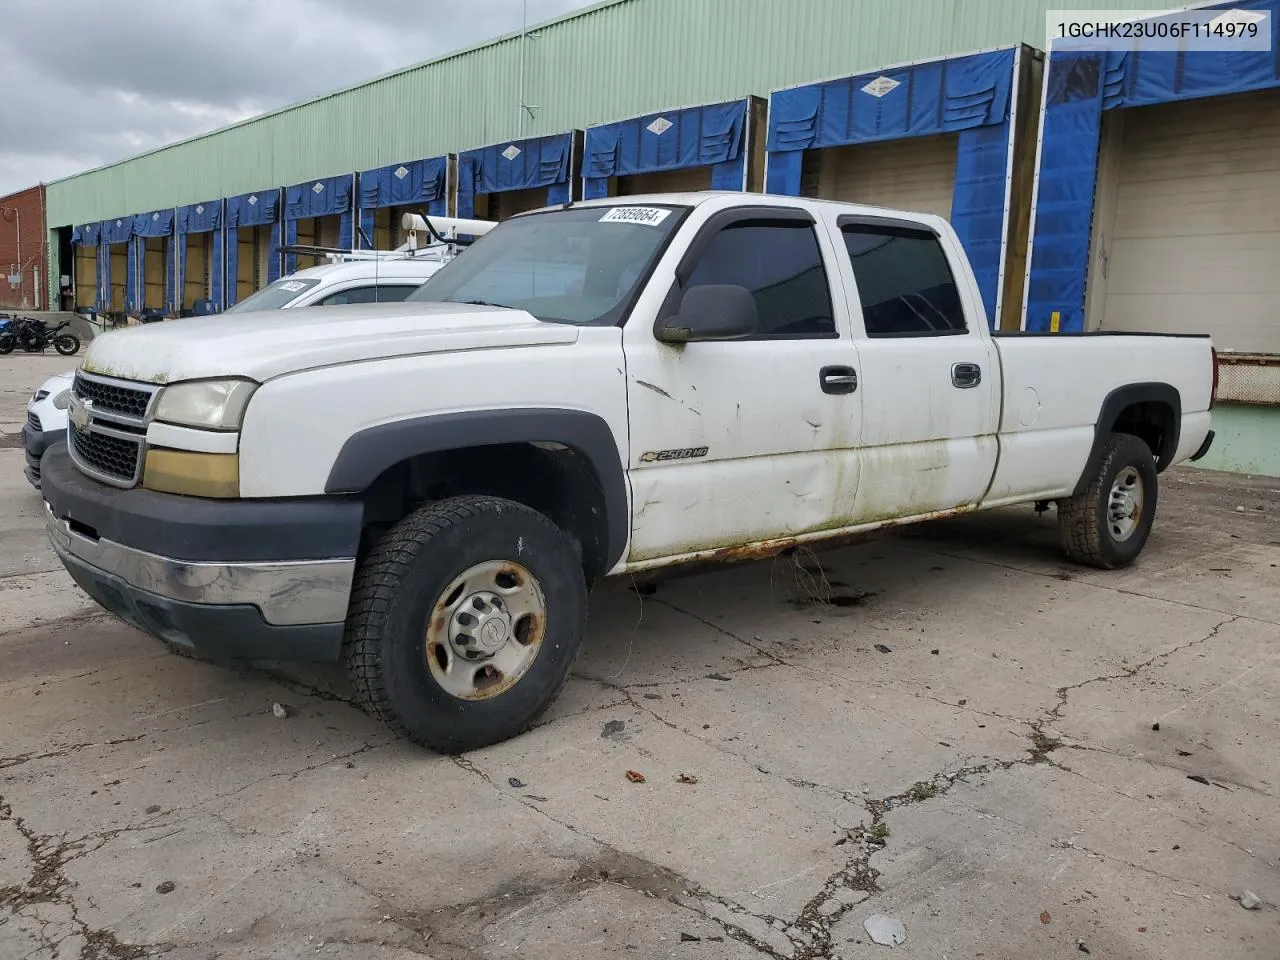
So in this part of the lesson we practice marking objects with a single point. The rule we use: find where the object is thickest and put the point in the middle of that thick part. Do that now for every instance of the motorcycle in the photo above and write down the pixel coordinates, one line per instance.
(34, 336)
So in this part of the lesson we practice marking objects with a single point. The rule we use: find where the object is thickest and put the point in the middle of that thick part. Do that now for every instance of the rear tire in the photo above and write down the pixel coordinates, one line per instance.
(67, 345)
(1108, 524)
(464, 622)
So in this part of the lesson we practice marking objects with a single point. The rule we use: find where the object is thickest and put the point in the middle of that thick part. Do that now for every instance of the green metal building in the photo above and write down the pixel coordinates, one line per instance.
(612, 60)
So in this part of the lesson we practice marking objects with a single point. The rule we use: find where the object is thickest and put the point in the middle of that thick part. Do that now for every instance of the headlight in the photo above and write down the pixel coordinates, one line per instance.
(211, 404)
(61, 400)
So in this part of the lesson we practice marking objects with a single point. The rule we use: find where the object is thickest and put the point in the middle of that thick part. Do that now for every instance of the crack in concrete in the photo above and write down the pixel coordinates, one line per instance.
(1126, 673)
(21, 758)
(1084, 583)
(48, 884)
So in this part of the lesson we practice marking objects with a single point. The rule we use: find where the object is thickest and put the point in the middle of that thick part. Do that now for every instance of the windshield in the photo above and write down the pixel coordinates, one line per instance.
(579, 265)
(277, 295)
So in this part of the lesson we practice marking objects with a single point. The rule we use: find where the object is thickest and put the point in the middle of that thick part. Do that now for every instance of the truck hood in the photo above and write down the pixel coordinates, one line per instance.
(270, 343)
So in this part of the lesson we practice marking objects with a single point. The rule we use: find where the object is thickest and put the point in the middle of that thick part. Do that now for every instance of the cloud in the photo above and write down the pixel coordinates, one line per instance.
(91, 82)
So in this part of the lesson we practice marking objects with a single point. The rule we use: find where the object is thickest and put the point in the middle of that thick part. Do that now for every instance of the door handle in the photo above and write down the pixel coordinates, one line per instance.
(838, 379)
(965, 375)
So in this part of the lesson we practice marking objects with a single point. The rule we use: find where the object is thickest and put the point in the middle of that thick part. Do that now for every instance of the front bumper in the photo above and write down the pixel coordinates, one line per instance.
(34, 444)
(250, 580)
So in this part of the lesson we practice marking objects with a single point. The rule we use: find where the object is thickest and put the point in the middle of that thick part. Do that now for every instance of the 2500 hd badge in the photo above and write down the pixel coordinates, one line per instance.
(684, 453)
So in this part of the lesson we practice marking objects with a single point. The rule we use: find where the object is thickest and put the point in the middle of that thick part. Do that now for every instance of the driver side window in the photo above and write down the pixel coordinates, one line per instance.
(780, 263)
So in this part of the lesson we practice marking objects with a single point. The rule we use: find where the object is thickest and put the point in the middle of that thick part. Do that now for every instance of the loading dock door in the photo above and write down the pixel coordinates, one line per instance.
(253, 250)
(687, 180)
(917, 174)
(119, 271)
(196, 282)
(1195, 241)
(387, 232)
(154, 271)
(500, 206)
(86, 267)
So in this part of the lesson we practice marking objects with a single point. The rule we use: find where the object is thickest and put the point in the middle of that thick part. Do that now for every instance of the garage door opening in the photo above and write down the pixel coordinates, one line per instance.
(85, 276)
(197, 278)
(253, 257)
(119, 275)
(500, 206)
(316, 232)
(1186, 235)
(918, 174)
(155, 271)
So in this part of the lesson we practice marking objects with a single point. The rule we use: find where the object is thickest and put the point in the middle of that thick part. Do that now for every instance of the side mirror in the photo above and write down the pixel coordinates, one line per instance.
(717, 311)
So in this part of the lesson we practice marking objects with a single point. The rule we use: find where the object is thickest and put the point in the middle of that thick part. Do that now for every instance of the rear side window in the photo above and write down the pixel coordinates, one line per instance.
(904, 282)
(780, 263)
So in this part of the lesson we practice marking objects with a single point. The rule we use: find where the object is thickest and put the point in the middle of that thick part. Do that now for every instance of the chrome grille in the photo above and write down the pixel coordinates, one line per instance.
(111, 456)
(114, 397)
(111, 447)
(34, 422)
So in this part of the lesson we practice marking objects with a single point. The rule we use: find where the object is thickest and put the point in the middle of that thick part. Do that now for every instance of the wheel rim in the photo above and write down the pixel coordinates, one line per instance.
(1124, 506)
(485, 630)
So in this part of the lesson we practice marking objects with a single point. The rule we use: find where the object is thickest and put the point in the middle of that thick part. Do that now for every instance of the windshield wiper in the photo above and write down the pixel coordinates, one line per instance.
(485, 303)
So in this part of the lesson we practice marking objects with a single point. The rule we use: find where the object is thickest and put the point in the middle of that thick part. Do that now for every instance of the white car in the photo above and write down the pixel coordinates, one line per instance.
(46, 421)
(427, 490)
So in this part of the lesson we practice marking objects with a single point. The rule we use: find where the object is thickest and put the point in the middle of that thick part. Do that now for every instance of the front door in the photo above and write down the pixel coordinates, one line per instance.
(749, 440)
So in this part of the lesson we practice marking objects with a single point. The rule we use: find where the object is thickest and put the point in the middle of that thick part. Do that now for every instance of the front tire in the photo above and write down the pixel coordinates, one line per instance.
(6, 344)
(464, 622)
(1108, 524)
(67, 345)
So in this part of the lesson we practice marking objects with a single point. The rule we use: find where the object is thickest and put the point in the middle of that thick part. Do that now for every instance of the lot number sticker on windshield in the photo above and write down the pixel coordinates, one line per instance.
(293, 286)
(648, 216)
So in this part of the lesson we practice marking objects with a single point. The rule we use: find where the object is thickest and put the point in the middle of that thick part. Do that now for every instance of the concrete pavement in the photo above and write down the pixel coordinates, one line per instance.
(954, 727)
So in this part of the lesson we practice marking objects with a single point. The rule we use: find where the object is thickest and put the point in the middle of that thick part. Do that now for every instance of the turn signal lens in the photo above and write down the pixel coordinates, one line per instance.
(192, 474)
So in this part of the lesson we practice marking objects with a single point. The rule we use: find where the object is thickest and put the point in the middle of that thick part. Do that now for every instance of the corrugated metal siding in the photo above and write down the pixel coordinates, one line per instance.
(610, 61)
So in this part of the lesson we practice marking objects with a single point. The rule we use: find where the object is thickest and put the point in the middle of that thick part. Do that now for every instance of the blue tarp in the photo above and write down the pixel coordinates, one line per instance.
(193, 219)
(118, 230)
(158, 223)
(318, 198)
(969, 95)
(251, 210)
(104, 278)
(328, 196)
(519, 165)
(710, 135)
(1080, 86)
(86, 234)
(417, 183)
(200, 217)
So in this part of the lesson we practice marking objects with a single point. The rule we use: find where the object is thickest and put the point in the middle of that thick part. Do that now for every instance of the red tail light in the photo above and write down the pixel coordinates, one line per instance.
(1213, 396)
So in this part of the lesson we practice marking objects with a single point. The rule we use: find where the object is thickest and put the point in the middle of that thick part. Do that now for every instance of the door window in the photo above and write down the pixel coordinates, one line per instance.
(383, 293)
(780, 262)
(905, 284)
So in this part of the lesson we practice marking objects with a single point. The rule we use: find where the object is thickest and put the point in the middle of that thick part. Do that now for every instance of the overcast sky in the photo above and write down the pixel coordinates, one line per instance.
(86, 82)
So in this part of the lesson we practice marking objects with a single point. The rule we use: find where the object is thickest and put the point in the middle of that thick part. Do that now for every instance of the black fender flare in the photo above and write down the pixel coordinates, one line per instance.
(366, 455)
(1113, 404)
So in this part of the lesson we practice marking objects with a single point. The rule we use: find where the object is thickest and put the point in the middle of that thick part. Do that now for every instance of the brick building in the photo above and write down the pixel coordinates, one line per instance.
(23, 252)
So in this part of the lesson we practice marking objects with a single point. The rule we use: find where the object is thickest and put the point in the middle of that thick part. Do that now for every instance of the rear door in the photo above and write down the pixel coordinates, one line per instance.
(930, 375)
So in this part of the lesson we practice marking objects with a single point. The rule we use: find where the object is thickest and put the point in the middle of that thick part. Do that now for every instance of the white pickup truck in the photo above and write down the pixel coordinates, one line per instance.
(427, 490)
